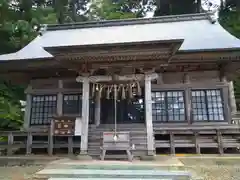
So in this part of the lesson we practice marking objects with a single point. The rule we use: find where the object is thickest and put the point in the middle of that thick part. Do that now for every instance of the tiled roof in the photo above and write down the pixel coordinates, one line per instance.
(199, 32)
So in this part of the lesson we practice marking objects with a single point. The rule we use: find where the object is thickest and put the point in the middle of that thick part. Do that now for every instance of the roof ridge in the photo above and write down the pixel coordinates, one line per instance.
(132, 21)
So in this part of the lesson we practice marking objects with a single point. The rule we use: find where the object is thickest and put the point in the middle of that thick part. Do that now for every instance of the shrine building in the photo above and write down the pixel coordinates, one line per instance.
(166, 80)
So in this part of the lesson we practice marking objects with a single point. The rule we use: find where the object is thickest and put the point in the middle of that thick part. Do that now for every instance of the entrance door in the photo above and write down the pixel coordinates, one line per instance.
(128, 110)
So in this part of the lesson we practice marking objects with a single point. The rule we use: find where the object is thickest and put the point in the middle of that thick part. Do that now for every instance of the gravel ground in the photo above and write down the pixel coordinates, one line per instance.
(214, 169)
(18, 172)
(208, 169)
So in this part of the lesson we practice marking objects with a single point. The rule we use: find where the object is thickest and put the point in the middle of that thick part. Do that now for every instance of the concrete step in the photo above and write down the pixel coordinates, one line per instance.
(102, 179)
(131, 129)
(100, 133)
(133, 138)
(127, 174)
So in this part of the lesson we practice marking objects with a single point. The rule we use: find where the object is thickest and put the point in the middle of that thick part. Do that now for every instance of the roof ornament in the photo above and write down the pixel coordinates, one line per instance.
(212, 7)
(43, 29)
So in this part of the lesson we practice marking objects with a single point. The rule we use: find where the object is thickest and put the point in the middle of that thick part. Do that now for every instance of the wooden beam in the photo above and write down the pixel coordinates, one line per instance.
(138, 77)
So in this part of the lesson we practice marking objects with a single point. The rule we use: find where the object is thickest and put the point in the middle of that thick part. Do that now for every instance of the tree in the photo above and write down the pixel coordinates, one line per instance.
(11, 116)
(20, 19)
(229, 16)
(174, 7)
(230, 19)
(17, 28)
(120, 9)
(66, 10)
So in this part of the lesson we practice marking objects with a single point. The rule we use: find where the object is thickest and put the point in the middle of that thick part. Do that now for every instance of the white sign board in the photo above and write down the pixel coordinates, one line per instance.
(78, 127)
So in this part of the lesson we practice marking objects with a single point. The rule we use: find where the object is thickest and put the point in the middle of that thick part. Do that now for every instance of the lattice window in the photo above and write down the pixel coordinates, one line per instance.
(43, 109)
(168, 106)
(207, 105)
(72, 104)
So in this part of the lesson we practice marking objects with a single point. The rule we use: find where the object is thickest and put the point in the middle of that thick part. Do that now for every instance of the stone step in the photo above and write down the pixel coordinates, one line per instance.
(99, 135)
(110, 156)
(137, 146)
(97, 149)
(119, 127)
(102, 179)
(97, 139)
(132, 138)
(99, 131)
(78, 165)
(97, 173)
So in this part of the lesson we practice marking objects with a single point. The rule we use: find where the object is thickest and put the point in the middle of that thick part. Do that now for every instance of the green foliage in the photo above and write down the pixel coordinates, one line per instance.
(229, 17)
(121, 9)
(11, 116)
(230, 20)
(106, 10)
(173, 7)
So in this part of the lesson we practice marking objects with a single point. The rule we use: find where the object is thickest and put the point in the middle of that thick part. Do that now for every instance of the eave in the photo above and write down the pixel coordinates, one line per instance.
(134, 50)
(214, 55)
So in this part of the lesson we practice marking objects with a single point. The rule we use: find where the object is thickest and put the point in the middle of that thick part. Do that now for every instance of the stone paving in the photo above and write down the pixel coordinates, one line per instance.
(161, 161)
(66, 169)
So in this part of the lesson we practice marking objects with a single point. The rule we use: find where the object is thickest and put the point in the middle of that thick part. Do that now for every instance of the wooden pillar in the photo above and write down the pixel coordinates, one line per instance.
(219, 140)
(232, 98)
(50, 139)
(10, 144)
(70, 145)
(60, 99)
(187, 93)
(85, 115)
(148, 115)
(160, 79)
(29, 143)
(27, 113)
(197, 147)
(172, 143)
(97, 108)
(225, 95)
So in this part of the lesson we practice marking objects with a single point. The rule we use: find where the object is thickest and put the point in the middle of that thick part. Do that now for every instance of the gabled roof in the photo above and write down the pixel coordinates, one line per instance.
(199, 32)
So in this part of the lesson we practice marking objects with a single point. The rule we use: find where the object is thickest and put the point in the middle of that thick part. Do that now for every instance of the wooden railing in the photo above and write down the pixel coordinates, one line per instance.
(225, 136)
(198, 139)
(236, 118)
(28, 141)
